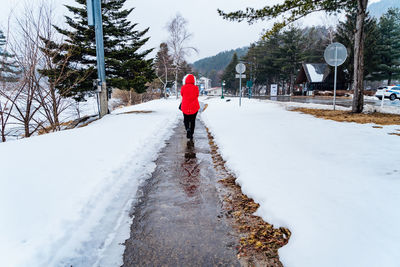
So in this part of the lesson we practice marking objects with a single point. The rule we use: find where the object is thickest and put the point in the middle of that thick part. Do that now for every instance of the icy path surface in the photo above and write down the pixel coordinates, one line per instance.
(336, 186)
(65, 197)
(179, 220)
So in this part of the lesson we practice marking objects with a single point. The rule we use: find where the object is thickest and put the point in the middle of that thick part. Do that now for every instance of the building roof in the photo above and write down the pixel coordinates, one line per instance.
(313, 73)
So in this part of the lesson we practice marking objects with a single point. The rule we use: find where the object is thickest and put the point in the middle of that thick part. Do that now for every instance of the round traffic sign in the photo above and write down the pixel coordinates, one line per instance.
(240, 68)
(335, 54)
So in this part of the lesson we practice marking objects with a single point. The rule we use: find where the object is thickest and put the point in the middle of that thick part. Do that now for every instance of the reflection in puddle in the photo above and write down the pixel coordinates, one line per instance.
(190, 176)
(179, 219)
(190, 152)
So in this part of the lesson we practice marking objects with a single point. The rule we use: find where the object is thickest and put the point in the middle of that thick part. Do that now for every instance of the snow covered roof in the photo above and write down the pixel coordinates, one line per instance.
(313, 73)
(316, 72)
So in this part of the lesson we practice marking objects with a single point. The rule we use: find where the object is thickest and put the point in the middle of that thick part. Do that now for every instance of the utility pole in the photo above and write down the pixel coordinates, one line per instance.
(95, 19)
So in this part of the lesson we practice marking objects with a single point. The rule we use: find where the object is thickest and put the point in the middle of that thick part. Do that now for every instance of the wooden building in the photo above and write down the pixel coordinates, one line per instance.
(319, 77)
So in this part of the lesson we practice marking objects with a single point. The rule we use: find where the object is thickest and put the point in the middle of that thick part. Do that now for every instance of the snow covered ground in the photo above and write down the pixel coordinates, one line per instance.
(65, 196)
(334, 185)
(389, 107)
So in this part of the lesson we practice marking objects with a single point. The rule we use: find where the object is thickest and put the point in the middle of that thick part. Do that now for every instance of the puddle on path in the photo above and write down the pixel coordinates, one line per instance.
(179, 219)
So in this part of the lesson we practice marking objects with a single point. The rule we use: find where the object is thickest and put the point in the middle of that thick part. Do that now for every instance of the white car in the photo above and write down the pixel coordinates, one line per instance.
(391, 92)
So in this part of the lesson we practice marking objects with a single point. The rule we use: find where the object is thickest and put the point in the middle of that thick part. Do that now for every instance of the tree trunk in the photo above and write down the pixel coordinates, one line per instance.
(26, 129)
(3, 131)
(3, 125)
(55, 110)
(390, 79)
(358, 75)
(291, 85)
(176, 83)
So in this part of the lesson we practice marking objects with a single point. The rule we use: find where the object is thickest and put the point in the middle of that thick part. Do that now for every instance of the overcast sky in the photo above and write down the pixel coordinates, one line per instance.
(211, 34)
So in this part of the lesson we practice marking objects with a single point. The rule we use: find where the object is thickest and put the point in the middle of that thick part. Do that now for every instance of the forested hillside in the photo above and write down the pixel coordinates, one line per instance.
(219, 61)
(212, 67)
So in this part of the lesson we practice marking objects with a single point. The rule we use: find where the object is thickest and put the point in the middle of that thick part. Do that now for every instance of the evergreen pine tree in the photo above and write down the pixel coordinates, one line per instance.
(126, 67)
(9, 70)
(291, 54)
(316, 39)
(388, 48)
(163, 64)
(229, 74)
(267, 54)
(184, 69)
(345, 36)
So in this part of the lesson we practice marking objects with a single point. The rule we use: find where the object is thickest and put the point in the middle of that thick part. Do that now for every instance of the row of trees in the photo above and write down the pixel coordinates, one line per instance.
(126, 66)
(289, 11)
(381, 46)
(213, 67)
(278, 58)
(43, 65)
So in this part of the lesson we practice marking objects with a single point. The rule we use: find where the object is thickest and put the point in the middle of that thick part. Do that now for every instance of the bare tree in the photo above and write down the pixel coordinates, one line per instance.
(6, 106)
(25, 45)
(51, 101)
(35, 100)
(177, 43)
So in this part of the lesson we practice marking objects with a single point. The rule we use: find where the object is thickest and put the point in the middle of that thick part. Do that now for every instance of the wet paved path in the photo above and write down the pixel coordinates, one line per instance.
(179, 219)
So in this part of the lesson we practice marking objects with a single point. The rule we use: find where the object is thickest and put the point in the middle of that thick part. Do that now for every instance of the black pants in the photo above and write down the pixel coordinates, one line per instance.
(190, 121)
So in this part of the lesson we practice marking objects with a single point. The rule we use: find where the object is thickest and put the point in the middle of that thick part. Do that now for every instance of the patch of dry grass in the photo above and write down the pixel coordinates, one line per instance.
(347, 116)
(137, 112)
(49, 129)
(259, 240)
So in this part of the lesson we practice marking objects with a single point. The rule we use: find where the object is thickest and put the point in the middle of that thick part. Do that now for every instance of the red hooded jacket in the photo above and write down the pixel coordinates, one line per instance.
(190, 93)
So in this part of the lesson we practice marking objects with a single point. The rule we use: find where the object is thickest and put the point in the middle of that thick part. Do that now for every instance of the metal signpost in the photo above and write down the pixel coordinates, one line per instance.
(95, 19)
(249, 84)
(222, 89)
(335, 55)
(240, 68)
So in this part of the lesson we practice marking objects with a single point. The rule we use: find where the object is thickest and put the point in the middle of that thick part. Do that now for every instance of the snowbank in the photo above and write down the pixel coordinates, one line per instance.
(334, 185)
(293, 105)
(389, 107)
(65, 197)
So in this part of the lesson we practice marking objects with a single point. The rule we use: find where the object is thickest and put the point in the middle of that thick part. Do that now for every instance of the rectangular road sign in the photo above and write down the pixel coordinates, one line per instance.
(238, 76)
(274, 90)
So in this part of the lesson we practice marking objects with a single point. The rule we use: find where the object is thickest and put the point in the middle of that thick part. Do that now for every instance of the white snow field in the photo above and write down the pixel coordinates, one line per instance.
(335, 185)
(65, 197)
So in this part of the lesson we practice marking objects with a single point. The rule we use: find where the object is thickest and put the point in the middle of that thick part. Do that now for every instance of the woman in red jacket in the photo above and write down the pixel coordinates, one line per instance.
(190, 104)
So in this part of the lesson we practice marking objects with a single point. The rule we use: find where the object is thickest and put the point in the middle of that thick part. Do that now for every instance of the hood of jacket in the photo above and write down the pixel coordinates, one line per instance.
(190, 79)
